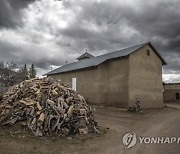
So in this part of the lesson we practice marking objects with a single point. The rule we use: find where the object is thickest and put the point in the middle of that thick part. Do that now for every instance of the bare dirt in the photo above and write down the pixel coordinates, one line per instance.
(114, 122)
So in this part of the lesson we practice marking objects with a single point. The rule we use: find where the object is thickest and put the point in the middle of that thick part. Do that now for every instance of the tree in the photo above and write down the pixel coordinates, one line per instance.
(9, 76)
(32, 72)
(24, 72)
(2, 64)
(9, 65)
(12, 65)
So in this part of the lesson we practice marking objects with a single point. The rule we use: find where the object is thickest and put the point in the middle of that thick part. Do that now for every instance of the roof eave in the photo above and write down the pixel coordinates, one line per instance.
(70, 70)
(163, 61)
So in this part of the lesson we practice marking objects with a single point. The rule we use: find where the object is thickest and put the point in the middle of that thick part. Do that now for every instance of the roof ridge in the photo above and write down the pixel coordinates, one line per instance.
(121, 49)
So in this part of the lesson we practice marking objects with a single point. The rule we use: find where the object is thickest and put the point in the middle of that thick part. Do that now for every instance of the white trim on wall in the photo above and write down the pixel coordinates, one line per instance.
(74, 84)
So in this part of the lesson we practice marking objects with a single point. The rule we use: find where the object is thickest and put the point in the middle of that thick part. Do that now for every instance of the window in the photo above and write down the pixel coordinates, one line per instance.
(177, 96)
(148, 52)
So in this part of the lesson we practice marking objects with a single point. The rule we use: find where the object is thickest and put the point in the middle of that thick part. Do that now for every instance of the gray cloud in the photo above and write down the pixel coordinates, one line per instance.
(29, 54)
(56, 31)
(155, 21)
(10, 12)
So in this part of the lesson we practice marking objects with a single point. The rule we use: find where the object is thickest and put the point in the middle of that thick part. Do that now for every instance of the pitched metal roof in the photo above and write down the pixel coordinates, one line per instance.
(84, 56)
(94, 61)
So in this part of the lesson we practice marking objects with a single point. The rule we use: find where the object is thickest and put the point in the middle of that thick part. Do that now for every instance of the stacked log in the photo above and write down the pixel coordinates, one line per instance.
(46, 107)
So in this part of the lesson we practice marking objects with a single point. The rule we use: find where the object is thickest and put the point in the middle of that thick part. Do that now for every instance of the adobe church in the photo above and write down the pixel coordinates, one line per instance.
(117, 78)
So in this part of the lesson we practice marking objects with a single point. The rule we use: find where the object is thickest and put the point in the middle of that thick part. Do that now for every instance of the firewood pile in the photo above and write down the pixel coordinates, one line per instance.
(47, 107)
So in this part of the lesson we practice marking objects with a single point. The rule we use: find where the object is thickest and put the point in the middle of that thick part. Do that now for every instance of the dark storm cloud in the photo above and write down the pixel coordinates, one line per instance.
(152, 19)
(155, 21)
(10, 12)
(28, 54)
(61, 31)
(100, 26)
(158, 20)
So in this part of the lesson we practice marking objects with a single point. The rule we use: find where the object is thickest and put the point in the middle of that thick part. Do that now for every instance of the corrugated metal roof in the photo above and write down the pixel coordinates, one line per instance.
(94, 61)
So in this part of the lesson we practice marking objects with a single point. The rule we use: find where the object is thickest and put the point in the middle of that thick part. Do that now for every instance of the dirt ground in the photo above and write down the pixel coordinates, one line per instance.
(114, 122)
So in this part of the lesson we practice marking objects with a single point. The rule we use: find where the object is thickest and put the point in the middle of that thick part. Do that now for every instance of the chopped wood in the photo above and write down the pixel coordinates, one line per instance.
(47, 106)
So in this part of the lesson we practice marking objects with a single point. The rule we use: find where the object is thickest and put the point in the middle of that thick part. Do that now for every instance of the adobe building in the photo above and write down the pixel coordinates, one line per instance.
(172, 92)
(117, 78)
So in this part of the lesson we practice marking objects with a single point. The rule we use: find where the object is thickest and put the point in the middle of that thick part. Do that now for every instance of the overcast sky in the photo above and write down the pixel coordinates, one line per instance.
(50, 32)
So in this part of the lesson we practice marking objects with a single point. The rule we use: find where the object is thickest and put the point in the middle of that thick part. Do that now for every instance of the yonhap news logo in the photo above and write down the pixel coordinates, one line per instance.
(131, 139)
